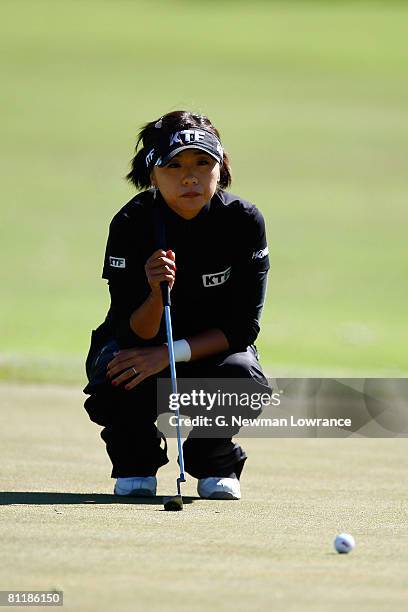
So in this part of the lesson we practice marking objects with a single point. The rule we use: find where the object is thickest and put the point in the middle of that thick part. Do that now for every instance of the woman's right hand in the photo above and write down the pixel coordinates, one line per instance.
(161, 267)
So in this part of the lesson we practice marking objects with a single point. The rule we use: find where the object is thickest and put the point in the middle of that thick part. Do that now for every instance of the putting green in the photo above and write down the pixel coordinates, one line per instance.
(61, 528)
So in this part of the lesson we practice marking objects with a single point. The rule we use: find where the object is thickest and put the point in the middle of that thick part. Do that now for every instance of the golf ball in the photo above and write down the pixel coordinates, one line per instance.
(344, 542)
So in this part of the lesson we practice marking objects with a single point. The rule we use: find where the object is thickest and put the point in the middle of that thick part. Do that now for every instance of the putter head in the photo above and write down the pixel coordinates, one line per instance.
(173, 504)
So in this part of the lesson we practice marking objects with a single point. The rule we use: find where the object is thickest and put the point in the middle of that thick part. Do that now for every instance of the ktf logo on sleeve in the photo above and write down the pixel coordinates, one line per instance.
(117, 262)
(216, 278)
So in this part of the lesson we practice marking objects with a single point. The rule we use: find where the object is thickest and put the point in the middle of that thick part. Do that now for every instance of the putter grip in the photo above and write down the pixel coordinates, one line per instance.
(165, 293)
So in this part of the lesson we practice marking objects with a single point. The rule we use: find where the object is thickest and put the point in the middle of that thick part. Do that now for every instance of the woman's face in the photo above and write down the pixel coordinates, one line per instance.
(188, 181)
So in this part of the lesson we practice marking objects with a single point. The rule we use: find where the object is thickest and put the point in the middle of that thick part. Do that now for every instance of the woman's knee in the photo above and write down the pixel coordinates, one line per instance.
(117, 407)
(241, 365)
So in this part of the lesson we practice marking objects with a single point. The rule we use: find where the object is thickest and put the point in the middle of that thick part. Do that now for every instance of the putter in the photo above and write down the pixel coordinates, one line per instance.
(173, 503)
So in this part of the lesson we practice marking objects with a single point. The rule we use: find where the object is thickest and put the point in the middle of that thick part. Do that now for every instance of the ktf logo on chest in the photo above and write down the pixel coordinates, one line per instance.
(215, 279)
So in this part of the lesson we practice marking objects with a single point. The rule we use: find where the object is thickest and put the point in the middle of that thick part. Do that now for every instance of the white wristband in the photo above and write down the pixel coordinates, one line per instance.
(182, 350)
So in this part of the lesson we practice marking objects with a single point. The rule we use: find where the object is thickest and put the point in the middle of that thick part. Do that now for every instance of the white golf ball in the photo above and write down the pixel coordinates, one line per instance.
(344, 542)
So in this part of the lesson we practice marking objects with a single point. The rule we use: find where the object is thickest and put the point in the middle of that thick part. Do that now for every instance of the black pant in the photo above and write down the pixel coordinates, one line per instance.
(132, 439)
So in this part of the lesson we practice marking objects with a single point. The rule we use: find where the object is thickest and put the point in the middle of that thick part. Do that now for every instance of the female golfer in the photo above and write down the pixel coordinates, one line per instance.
(183, 228)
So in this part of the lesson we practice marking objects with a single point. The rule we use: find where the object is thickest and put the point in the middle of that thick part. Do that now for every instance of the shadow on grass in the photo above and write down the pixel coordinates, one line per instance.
(37, 498)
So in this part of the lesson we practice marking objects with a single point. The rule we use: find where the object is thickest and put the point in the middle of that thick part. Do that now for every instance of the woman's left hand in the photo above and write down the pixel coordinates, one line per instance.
(134, 365)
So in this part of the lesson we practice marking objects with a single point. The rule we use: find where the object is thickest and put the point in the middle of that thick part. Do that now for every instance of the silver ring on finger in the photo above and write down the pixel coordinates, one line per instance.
(134, 371)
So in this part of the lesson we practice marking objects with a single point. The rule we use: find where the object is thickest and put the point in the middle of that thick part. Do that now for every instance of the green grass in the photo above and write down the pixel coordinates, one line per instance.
(62, 528)
(311, 99)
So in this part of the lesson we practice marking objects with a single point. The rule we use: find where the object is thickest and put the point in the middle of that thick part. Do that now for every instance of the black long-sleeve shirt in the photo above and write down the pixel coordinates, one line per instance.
(222, 264)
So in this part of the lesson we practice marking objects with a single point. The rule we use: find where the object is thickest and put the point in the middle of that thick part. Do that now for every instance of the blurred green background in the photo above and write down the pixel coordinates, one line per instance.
(311, 101)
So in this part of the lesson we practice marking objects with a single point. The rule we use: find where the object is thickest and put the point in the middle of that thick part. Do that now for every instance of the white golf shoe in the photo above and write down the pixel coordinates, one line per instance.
(219, 487)
(136, 486)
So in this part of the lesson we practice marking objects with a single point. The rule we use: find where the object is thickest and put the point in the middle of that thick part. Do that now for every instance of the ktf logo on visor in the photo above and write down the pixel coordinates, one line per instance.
(168, 145)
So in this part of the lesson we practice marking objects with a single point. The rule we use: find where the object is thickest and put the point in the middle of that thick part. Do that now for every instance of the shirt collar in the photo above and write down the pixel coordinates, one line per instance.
(171, 215)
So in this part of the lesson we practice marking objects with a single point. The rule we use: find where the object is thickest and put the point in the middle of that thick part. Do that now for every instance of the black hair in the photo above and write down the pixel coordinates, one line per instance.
(174, 121)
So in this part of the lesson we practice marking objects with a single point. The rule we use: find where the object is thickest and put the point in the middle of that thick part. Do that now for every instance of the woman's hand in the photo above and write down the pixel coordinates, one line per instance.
(145, 361)
(161, 267)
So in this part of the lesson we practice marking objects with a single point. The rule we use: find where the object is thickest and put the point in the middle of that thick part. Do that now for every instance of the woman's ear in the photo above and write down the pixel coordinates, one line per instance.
(153, 180)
